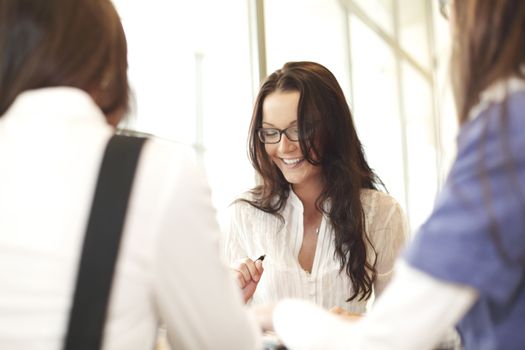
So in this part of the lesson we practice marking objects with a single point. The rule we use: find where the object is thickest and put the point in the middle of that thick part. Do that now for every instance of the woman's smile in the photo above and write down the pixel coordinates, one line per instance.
(292, 162)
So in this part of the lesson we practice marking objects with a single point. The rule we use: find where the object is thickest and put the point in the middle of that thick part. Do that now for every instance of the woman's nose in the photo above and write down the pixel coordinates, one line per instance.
(285, 145)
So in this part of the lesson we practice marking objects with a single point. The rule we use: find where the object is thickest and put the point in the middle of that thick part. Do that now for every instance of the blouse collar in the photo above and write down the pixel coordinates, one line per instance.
(497, 92)
(54, 105)
(294, 200)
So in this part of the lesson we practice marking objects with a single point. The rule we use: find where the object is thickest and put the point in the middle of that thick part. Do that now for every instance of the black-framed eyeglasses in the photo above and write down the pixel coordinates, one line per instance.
(273, 135)
(445, 8)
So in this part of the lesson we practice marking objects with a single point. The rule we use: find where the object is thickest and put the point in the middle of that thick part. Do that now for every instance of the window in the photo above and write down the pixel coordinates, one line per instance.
(191, 75)
(192, 64)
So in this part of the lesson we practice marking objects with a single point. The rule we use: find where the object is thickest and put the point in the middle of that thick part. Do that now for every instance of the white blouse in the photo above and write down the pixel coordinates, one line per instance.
(251, 232)
(168, 270)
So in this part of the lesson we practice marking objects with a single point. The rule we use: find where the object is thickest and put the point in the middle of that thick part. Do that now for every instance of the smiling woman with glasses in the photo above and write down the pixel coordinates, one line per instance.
(329, 235)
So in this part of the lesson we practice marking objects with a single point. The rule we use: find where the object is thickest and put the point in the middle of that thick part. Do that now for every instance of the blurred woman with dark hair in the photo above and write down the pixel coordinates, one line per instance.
(63, 89)
(466, 265)
(328, 233)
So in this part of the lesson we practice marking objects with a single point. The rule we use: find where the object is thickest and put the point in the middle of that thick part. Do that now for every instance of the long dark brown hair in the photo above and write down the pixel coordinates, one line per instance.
(332, 144)
(489, 47)
(76, 43)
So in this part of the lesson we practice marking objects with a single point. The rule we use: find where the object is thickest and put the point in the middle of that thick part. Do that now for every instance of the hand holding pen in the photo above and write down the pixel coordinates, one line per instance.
(249, 273)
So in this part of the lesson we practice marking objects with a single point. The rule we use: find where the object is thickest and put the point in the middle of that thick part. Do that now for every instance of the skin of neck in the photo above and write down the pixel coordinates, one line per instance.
(308, 193)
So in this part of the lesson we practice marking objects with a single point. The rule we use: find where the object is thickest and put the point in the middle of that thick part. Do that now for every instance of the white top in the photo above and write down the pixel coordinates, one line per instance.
(414, 313)
(51, 145)
(252, 232)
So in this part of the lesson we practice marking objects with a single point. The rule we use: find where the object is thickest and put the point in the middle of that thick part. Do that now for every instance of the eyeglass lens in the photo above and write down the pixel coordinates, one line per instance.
(273, 135)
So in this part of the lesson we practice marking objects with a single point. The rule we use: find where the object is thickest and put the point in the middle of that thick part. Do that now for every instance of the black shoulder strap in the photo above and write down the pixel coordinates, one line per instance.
(101, 243)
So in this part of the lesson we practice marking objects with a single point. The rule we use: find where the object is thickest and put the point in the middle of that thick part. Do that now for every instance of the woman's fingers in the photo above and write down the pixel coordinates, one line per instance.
(259, 266)
(245, 272)
(249, 269)
(251, 265)
(248, 275)
(241, 282)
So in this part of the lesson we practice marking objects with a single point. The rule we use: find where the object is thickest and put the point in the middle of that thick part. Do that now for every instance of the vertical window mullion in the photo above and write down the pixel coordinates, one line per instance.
(402, 115)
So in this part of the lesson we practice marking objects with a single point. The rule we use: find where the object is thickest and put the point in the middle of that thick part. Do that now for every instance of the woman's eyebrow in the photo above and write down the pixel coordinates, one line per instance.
(273, 126)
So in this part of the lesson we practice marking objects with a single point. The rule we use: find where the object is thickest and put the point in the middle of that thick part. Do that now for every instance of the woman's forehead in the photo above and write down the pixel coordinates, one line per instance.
(280, 108)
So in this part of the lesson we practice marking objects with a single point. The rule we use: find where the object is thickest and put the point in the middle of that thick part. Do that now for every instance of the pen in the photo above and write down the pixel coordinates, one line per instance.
(261, 257)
